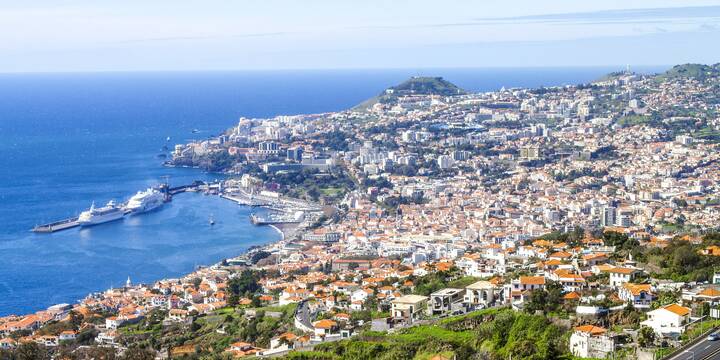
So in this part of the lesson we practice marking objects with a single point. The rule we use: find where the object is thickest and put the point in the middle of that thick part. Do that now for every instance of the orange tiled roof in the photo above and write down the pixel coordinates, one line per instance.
(325, 324)
(571, 296)
(532, 280)
(710, 292)
(636, 289)
(593, 330)
(677, 309)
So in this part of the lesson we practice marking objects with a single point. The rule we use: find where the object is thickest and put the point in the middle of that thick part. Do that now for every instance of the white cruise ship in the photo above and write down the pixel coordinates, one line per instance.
(145, 201)
(94, 216)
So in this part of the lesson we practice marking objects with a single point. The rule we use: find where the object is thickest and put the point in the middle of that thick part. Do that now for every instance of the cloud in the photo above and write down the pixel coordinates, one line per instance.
(194, 38)
(708, 27)
(647, 16)
(615, 16)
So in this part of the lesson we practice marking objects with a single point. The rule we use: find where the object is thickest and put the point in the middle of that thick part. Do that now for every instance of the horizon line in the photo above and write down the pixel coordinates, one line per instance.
(499, 67)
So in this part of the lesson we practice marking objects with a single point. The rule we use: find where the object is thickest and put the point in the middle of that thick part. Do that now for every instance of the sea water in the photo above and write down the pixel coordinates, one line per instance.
(67, 140)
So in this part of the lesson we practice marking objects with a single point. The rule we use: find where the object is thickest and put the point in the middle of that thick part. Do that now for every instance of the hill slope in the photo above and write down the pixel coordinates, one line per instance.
(697, 71)
(416, 85)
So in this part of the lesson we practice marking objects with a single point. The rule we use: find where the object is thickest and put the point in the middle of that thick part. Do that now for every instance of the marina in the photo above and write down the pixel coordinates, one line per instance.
(284, 210)
(277, 218)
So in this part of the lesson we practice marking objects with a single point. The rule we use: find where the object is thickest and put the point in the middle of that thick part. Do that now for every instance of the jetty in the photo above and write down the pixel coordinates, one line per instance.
(73, 221)
(57, 226)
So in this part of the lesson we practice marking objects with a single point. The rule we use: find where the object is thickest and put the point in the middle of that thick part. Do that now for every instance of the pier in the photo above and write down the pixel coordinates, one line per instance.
(56, 226)
(73, 221)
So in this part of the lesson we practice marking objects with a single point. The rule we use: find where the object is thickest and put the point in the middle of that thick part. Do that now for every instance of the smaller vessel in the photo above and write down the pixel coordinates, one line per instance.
(95, 216)
(195, 131)
(211, 220)
(145, 201)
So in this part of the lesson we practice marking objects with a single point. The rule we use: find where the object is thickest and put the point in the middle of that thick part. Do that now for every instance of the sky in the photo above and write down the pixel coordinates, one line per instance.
(163, 35)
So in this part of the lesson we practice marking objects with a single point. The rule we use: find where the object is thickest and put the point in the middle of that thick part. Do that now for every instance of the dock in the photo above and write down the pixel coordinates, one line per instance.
(56, 226)
(276, 219)
(73, 221)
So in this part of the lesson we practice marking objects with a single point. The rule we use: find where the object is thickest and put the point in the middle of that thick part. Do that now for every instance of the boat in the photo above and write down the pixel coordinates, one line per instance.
(195, 131)
(95, 216)
(145, 201)
(212, 220)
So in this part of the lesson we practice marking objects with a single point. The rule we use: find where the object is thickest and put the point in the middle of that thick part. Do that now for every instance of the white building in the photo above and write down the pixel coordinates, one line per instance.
(590, 341)
(621, 275)
(408, 308)
(481, 293)
(445, 161)
(445, 301)
(669, 320)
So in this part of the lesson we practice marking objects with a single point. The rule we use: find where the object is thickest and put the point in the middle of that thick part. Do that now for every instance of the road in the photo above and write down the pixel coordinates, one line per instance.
(303, 314)
(702, 350)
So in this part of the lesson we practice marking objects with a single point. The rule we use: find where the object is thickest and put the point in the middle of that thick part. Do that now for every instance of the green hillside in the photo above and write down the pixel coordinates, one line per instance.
(697, 71)
(422, 85)
(416, 85)
(486, 334)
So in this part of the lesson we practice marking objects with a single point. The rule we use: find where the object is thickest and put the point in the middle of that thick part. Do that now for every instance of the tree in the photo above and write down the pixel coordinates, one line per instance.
(257, 256)
(233, 299)
(31, 351)
(646, 336)
(138, 353)
(100, 353)
(547, 299)
(245, 284)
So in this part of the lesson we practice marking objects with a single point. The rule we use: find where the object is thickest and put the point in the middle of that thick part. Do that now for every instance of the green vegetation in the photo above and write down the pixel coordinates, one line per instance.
(310, 184)
(700, 72)
(545, 300)
(632, 120)
(436, 280)
(423, 85)
(486, 334)
(679, 261)
(417, 85)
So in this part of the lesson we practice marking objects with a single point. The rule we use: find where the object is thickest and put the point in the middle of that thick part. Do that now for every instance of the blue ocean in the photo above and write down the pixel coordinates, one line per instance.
(67, 140)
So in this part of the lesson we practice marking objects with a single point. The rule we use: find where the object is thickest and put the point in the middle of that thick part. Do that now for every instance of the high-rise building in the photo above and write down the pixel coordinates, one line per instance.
(608, 216)
(445, 161)
(295, 154)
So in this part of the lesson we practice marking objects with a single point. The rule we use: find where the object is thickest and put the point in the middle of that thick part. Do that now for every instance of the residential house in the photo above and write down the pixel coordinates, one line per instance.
(590, 341)
(480, 294)
(67, 335)
(408, 308)
(7, 343)
(325, 327)
(669, 320)
(620, 275)
(445, 301)
(639, 295)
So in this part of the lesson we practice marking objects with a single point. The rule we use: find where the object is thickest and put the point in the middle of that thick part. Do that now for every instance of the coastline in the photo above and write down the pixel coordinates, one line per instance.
(287, 231)
(282, 234)
(246, 245)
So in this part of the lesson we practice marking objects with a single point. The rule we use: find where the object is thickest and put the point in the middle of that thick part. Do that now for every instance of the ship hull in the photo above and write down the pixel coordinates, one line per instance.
(145, 208)
(97, 220)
